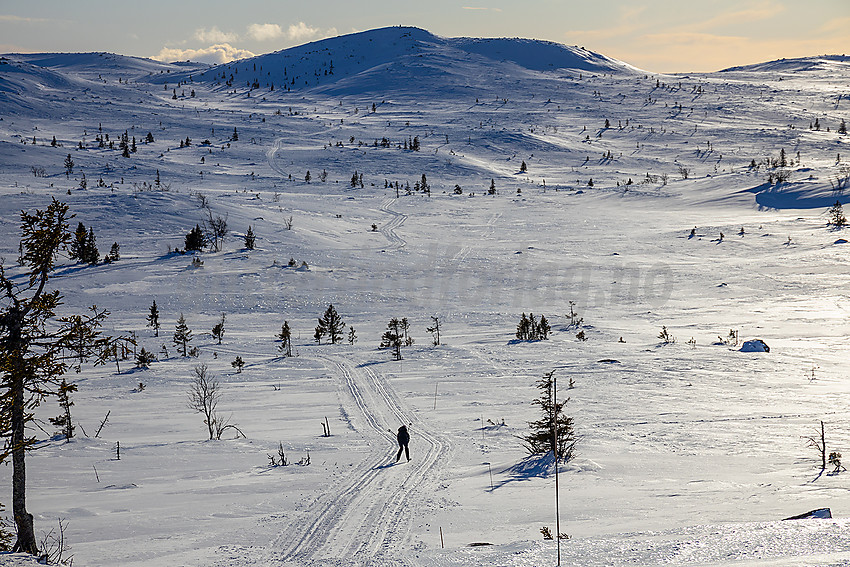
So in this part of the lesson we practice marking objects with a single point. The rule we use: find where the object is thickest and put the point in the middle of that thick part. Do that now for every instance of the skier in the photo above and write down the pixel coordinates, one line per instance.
(403, 439)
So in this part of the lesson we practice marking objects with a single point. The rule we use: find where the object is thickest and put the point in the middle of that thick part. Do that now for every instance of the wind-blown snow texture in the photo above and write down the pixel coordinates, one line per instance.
(690, 453)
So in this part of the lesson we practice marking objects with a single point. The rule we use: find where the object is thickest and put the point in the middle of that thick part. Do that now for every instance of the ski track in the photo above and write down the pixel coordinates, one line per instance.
(489, 230)
(367, 518)
(388, 230)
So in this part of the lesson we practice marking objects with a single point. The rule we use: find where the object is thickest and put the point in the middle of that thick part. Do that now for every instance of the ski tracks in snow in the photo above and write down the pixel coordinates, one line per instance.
(366, 521)
(388, 230)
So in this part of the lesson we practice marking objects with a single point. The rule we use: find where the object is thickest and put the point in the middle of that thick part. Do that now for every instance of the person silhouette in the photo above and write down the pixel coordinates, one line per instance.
(403, 439)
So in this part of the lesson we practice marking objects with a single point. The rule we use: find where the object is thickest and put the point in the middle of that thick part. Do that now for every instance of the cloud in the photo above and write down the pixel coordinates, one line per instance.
(301, 31)
(19, 19)
(264, 32)
(218, 53)
(763, 11)
(214, 35)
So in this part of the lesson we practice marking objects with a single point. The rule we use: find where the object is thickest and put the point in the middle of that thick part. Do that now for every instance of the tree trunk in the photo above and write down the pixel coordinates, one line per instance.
(26, 542)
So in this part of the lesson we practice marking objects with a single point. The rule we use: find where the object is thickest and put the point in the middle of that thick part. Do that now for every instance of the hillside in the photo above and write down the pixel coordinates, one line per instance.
(636, 202)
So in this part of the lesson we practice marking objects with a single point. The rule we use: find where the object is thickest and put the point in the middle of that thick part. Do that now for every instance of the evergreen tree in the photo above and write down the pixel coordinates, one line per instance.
(553, 424)
(492, 189)
(331, 324)
(307, 177)
(523, 168)
(238, 364)
(393, 338)
(235, 136)
(842, 128)
(69, 166)
(218, 329)
(153, 318)
(126, 152)
(182, 336)
(53, 142)
(83, 182)
(352, 336)
(78, 246)
(144, 359)
(195, 239)
(63, 421)
(250, 239)
(149, 138)
(435, 330)
(33, 343)
(285, 337)
(836, 215)
(92, 255)
(114, 252)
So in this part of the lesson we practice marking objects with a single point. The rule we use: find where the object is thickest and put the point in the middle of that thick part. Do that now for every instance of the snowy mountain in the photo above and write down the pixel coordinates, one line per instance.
(403, 58)
(657, 221)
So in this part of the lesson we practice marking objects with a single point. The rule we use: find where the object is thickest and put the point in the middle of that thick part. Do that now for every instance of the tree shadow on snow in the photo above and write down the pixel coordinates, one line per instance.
(533, 466)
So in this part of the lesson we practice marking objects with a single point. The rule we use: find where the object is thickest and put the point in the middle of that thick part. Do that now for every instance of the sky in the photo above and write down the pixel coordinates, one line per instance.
(655, 35)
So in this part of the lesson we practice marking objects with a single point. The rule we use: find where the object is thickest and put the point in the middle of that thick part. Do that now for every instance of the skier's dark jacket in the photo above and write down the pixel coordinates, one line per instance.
(403, 436)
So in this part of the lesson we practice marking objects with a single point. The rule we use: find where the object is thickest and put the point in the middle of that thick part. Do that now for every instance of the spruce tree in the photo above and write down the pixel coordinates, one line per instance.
(69, 166)
(92, 255)
(195, 239)
(393, 338)
(218, 329)
(153, 318)
(553, 424)
(182, 336)
(285, 337)
(33, 348)
(63, 421)
(78, 246)
(250, 239)
(836, 215)
(331, 324)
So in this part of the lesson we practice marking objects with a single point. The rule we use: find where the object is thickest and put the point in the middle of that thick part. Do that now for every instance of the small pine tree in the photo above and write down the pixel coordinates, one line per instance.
(842, 128)
(554, 430)
(492, 189)
(285, 337)
(308, 177)
(182, 336)
(126, 152)
(523, 168)
(114, 252)
(250, 239)
(78, 246)
(235, 136)
(144, 359)
(836, 216)
(393, 338)
(195, 239)
(352, 336)
(153, 318)
(238, 364)
(331, 324)
(83, 182)
(92, 255)
(69, 166)
(218, 329)
(63, 422)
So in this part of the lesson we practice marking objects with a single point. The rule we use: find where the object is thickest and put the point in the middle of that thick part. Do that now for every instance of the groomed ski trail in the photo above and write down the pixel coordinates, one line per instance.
(366, 521)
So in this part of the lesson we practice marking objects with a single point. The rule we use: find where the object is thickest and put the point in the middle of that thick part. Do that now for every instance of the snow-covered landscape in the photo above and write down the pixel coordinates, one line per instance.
(657, 221)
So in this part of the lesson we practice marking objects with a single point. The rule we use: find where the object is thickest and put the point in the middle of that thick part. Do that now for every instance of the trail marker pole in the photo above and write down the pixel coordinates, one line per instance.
(555, 450)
